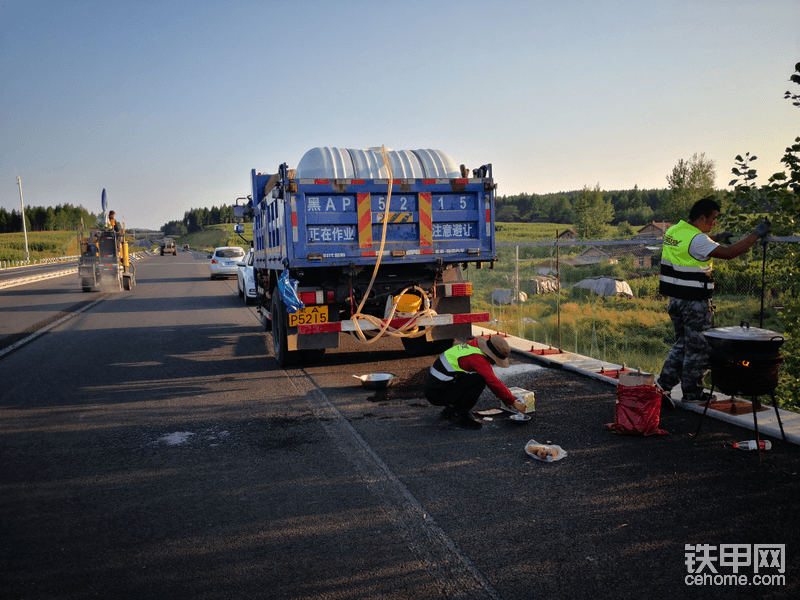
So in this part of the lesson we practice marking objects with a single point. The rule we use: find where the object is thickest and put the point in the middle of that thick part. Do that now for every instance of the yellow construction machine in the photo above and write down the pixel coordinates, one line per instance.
(104, 262)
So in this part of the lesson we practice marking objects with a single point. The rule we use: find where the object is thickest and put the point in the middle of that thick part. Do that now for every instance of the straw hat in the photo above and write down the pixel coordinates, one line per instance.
(496, 348)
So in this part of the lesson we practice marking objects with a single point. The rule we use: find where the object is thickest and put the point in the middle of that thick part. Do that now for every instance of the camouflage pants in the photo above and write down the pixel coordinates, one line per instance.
(687, 361)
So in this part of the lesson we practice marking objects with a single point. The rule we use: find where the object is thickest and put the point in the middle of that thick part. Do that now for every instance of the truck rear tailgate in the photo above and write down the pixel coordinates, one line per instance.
(336, 222)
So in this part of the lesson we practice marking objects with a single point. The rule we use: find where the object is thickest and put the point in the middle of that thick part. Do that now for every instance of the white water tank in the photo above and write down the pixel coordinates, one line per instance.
(367, 163)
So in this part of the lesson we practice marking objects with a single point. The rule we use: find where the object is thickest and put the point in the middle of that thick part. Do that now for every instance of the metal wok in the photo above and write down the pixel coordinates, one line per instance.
(743, 340)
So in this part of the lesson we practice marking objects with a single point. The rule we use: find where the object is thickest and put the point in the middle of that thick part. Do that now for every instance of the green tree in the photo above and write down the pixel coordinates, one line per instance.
(638, 216)
(780, 198)
(591, 212)
(508, 214)
(50, 219)
(689, 182)
(561, 210)
(5, 221)
(636, 198)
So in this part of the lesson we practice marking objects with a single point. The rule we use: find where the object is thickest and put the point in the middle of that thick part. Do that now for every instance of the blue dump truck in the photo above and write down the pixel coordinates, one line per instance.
(369, 242)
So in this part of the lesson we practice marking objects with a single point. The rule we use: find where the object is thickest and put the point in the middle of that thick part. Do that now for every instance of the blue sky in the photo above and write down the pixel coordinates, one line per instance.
(168, 105)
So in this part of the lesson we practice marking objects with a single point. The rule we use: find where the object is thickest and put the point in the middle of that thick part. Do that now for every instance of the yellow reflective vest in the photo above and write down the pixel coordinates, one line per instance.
(446, 366)
(683, 276)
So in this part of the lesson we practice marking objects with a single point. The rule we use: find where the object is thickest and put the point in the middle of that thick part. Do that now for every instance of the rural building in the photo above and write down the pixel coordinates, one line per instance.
(642, 255)
(549, 267)
(654, 230)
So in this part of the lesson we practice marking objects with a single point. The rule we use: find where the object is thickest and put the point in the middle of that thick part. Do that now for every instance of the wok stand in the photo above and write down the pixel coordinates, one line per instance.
(753, 400)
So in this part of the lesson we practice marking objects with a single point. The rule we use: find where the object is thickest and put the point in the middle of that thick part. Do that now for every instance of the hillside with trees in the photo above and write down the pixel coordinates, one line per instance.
(634, 206)
(64, 217)
(197, 219)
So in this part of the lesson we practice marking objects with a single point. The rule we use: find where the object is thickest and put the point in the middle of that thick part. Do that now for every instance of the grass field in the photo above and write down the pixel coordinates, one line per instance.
(41, 244)
(528, 232)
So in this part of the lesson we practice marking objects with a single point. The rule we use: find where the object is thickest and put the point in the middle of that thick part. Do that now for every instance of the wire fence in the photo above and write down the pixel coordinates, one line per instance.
(600, 298)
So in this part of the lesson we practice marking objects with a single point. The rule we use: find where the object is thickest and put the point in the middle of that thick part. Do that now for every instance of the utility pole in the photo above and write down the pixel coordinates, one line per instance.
(24, 227)
(516, 292)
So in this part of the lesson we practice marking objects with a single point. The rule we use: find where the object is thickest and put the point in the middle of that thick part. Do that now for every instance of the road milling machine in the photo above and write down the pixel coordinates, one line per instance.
(104, 262)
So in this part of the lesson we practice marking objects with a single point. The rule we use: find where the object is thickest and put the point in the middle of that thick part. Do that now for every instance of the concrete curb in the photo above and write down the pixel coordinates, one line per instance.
(591, 367)
(31, 278)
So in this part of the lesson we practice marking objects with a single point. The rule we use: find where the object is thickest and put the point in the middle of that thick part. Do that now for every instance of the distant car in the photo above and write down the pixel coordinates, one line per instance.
(246, 279)
(223, 261)
(186, 247)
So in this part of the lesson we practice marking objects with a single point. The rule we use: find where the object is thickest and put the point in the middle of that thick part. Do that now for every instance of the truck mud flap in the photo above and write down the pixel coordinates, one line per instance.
(316, 341)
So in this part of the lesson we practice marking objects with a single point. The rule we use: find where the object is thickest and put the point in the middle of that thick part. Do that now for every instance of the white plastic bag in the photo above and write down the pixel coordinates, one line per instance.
(552, 453)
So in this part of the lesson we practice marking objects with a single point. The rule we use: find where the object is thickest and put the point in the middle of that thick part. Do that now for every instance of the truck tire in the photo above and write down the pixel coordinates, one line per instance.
(280, 348)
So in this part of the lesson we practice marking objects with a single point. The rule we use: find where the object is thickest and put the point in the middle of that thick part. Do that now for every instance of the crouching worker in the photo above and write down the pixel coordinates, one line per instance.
(459, 376)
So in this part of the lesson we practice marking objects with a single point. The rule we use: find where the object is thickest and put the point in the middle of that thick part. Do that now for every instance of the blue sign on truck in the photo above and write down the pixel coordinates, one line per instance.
(377, 242)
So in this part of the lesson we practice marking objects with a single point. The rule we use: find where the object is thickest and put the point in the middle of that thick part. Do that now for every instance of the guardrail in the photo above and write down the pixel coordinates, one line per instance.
(10, 264)
(31, 278)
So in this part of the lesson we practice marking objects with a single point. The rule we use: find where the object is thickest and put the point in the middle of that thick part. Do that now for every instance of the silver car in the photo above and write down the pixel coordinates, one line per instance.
(224, 261)
(246, 277)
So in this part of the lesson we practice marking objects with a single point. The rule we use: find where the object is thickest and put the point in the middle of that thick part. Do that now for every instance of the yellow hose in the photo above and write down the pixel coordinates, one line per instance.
(385, 328)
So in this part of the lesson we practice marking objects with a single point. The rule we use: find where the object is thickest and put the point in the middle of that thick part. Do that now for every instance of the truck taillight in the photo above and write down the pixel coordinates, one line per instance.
(318, 297)
(458, 289)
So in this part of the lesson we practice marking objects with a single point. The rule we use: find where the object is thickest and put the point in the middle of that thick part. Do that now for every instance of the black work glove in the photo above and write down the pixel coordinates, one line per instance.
(723, 237)
(763, 229)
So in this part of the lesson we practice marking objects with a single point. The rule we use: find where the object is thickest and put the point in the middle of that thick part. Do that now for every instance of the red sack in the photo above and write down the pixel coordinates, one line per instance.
(637, 411)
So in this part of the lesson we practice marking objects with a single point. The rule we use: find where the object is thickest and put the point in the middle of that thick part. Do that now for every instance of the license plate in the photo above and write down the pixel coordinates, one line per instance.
(310, 315)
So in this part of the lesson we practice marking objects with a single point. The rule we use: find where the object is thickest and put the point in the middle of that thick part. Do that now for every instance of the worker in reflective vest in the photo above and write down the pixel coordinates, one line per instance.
(458, 377)
(112, 221)
(687, 278)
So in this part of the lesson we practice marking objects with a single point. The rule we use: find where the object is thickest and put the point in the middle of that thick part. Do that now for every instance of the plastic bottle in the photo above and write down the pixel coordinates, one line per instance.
(752, 445)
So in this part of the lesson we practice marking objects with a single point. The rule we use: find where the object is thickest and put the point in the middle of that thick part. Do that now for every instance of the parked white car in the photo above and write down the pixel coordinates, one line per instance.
(224, 261)
(246, 279)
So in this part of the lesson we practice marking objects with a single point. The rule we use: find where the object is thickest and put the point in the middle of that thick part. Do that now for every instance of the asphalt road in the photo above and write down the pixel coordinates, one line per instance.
(152, 448)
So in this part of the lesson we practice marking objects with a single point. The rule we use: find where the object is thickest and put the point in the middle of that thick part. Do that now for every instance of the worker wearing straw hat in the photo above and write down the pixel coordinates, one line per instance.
(458, 377)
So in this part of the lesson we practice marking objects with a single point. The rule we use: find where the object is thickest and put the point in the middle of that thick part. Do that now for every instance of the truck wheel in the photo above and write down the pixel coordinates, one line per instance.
(241, 292)
(279, 326)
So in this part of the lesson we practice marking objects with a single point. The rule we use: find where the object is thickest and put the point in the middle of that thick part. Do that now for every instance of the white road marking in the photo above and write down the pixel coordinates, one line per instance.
(451, 570)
